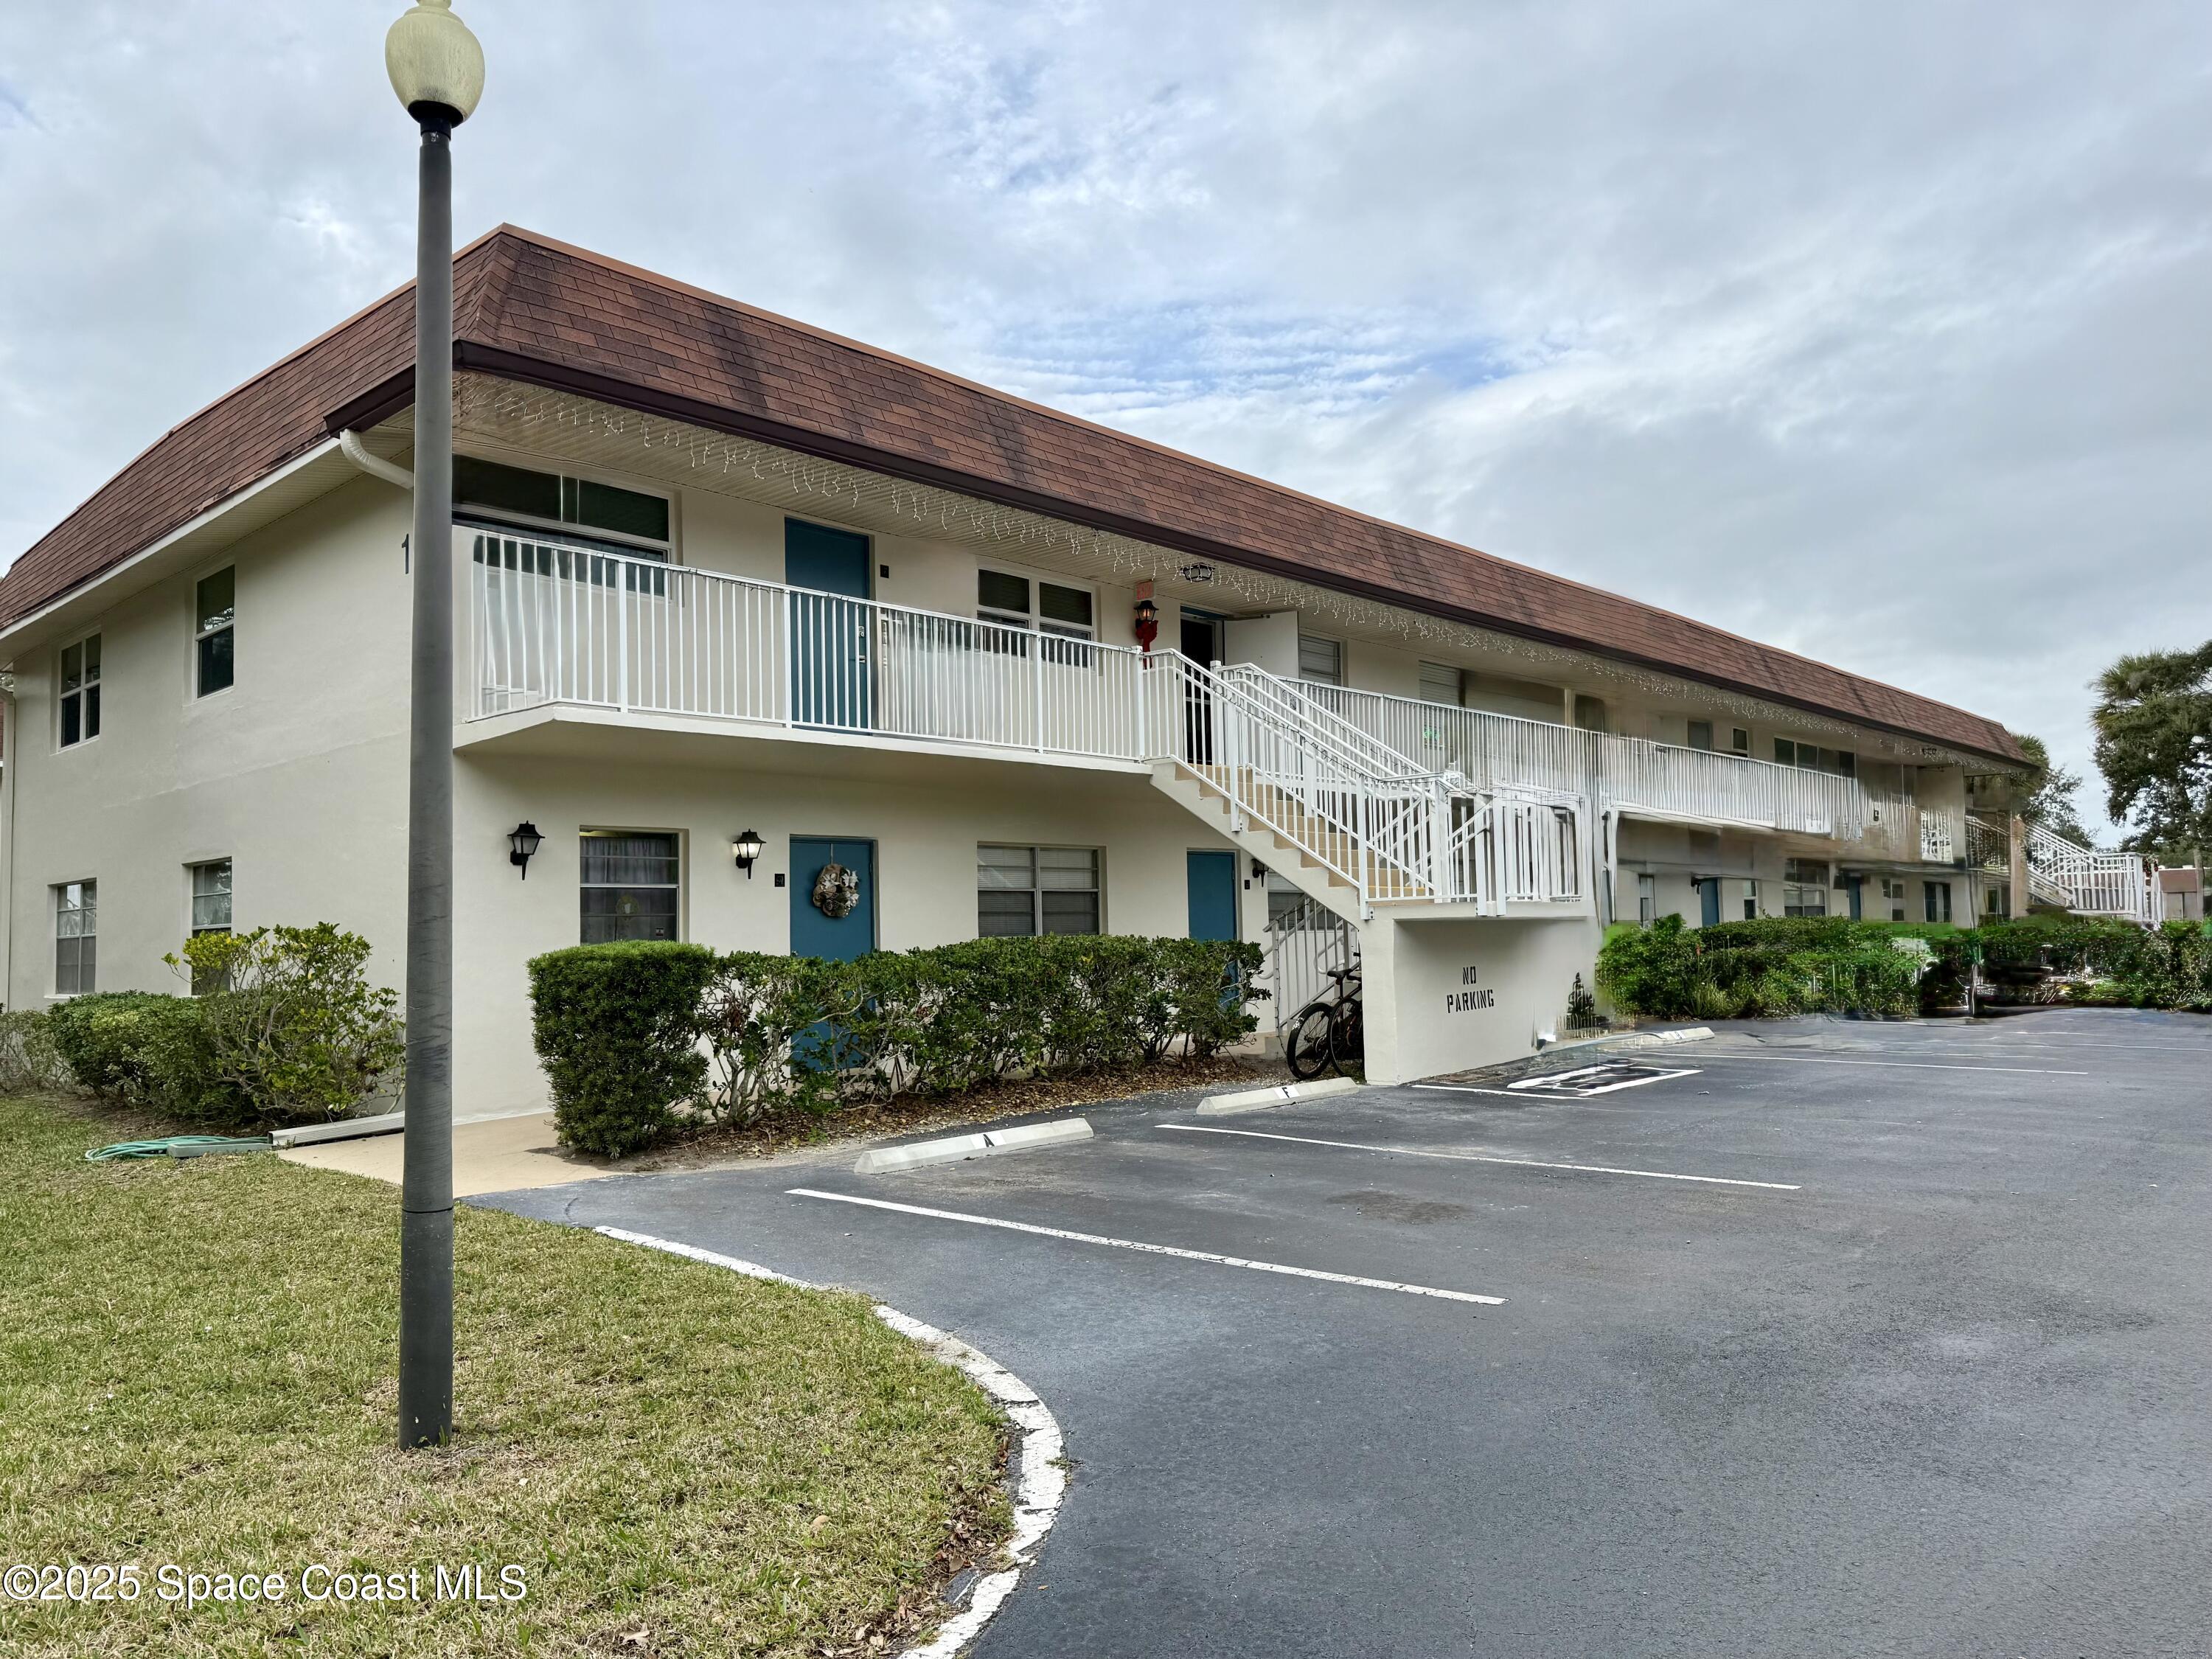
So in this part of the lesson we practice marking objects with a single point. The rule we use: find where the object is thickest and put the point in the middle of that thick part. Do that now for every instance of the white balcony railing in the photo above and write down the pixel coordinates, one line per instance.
(1408, 799)
(1623, 772)
(554, 623)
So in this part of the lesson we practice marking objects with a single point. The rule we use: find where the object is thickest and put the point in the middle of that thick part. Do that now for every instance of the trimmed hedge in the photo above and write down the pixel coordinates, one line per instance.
(149, 1048)
(1670, 972)
(617, 1029)
(29, 1062)
(290, 1032)
(745, 1037)
(1788, 965)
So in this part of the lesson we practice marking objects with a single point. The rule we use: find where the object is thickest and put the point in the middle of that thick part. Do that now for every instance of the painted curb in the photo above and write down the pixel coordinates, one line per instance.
(1038, 1134)
(950, 1149)
(1041, 1484)
(1628, 1040)
(956, 1149)
(1661, 1039)
(1280, 1094)
(346, 1129)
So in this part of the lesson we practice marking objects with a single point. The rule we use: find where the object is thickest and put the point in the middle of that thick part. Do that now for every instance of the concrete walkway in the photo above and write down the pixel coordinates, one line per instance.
(501, 1155)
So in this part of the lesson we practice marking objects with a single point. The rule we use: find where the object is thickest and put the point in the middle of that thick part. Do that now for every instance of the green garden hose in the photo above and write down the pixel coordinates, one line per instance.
(180, 1146)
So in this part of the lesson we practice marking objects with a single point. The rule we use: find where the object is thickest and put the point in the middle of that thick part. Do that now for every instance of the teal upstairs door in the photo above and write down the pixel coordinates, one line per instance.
(828, 571)
(1213, 877)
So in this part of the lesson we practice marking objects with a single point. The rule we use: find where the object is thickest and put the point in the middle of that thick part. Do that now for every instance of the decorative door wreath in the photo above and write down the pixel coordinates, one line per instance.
(836, 891)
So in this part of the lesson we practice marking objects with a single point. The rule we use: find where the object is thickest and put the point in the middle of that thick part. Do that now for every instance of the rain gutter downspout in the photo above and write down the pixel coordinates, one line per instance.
(376, 466)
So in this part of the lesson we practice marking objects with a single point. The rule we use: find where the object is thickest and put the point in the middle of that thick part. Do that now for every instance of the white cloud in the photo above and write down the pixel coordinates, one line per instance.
(1876, 332)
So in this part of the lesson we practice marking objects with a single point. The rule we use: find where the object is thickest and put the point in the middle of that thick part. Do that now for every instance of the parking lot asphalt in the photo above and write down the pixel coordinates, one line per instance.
(1852, 1339)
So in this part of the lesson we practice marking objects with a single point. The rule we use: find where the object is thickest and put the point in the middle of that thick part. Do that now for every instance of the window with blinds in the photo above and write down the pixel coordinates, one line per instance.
(1321, 660)
(1022, 890)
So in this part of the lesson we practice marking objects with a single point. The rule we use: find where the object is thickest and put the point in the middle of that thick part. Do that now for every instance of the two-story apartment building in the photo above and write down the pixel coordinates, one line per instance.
(727, 585)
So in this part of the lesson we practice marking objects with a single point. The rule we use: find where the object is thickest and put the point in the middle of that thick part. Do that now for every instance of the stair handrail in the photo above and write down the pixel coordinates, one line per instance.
(1473, 870)
(1353, 743)
(1387, 820)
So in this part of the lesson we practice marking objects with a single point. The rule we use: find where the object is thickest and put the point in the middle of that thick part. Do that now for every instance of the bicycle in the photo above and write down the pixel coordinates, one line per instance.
(1328, 1034)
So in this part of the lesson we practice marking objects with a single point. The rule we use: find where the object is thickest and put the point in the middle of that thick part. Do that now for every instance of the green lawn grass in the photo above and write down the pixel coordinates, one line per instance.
(196, 1368)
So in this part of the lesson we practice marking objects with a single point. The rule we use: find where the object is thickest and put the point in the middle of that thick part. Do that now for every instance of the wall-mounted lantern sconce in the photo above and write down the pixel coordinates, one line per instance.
(746, 847)
(523, 843)
(1148, 615)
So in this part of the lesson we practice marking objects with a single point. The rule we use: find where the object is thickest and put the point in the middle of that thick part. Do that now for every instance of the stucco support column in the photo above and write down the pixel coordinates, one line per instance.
(1378, 995)
(2018, 839)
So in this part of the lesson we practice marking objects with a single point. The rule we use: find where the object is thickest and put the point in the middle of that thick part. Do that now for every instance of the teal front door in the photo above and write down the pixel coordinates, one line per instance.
(1213, 877)
(827, 572)
(814, 932)
(1708, 901)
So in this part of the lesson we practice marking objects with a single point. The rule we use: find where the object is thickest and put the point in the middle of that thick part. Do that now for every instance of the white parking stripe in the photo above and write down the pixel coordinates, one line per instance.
(1906, 1065)
(2001, 1045)
(1150, 1249)
(1481, 1158)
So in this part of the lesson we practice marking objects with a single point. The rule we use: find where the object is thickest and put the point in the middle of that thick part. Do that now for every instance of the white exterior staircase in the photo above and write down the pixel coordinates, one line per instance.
(2068, 875)
(1349, 821)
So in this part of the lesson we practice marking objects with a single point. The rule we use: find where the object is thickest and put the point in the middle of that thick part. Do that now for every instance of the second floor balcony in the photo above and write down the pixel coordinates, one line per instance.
(551, 624)
(1637, 777)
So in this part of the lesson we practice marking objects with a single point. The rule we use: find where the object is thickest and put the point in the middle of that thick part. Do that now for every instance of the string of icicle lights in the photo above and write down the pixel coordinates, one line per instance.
(581, 429)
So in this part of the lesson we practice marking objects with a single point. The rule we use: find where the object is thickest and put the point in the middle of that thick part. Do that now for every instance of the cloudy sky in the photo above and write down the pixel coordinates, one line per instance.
(1883, 331)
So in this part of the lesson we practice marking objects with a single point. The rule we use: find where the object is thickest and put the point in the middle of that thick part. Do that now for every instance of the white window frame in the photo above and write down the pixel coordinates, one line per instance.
(61, 696)
(1033, 618)
(193, 925)
(681, 885)
(1647, 898)
(1795, 888)
(1037, 890)
(1334, 645)
(58, 892)
(558, 530)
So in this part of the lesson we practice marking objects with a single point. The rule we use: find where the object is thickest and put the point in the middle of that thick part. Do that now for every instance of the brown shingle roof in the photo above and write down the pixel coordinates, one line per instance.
(537, 310)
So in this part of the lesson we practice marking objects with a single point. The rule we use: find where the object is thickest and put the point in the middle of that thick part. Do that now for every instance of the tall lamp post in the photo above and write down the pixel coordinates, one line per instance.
(437, 69)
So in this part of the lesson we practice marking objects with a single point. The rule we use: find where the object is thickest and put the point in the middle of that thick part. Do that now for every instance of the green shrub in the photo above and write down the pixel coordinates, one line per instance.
(148, 1050)
(767, 1036)
(1791, 965)
(617, 1029)
(781, 1029)
(1652, 969)
(100, 1044)
(29, 1062)
(288, 1022)
(1762, 969)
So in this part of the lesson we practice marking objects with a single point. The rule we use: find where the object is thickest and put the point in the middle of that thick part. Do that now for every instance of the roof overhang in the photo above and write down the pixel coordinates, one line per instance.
(316, 472)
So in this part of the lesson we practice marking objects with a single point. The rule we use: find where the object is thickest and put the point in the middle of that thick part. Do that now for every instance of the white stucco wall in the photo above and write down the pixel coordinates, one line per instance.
(926, 840)
(297, 774)
(1445, 996)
